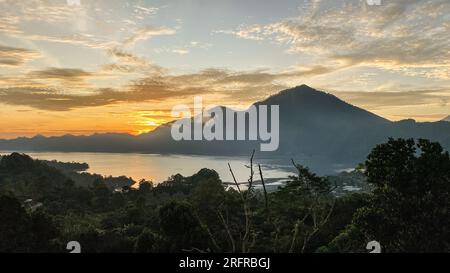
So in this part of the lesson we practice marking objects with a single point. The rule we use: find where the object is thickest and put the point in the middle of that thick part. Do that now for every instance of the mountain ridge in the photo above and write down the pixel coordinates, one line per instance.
(312, 124)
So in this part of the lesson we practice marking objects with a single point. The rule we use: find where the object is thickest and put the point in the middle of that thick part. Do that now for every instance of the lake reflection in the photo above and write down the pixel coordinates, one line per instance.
(158, 168)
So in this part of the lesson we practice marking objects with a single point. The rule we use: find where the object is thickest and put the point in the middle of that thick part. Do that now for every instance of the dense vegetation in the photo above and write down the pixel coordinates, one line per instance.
(407, 209)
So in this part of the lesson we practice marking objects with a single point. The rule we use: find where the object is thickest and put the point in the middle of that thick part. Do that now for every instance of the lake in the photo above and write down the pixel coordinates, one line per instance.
(158, 168)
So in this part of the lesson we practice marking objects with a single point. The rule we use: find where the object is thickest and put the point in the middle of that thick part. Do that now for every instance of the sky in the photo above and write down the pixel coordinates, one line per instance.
(83, 66)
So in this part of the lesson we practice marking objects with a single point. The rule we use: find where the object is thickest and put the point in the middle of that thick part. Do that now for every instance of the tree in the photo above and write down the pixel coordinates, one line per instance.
(409, 208)
(181, 227)
(145, 187)
(102, 194)
(146, 242)
(14, 226)
(207, 197)
(43, 231)
(304, 205)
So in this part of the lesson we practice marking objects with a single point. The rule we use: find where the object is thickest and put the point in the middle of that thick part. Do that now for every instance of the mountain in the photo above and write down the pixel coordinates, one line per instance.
(313, 125)
(316, 123)
(447, 119)
(307, 105)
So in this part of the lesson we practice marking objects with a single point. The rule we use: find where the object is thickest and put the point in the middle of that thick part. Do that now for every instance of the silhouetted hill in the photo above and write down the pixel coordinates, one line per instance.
(313, 125)
(310, 106)
(28, 178)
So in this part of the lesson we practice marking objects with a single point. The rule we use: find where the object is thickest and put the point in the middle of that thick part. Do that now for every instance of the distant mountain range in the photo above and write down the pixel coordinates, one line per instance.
(312, 124)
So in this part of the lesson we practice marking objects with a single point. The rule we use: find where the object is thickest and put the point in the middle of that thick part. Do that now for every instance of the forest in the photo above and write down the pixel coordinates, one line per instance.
(44, 205)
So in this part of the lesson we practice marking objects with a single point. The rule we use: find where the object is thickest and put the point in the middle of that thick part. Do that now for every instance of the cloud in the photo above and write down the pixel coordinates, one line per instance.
(411, 37)
(76, 39)
(142, 11)
(252, 32)
(310, 37)
(228, 86)
(404, 33)
(81, 24)
(17, 16)
(47, 11)
(127, 62)
(9, 25)
(39, 10)
(219, 86)
(146, 89)
(146, 33)
(65, 74)
(49, 99)
(126, 57)
(380, 100)
(67, 80)
(13, 56)
(180, 51)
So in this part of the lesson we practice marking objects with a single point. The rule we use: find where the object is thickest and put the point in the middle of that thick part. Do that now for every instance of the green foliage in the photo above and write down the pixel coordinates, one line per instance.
(24, 232)
(350, 240)
(299, 210)
(14, 235)
(409, 208)
(181, 227)
(147, 242)
(405, 208)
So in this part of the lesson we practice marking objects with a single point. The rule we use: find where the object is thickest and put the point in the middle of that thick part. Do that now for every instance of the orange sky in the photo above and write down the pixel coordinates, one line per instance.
(120, 66)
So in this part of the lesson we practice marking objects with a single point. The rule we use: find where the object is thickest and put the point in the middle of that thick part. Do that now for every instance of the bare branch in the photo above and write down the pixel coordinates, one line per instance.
(227, 228)
(264, 188)
(234, 179)
(208, 231)
(318, 227)
(293, 163)
(250, 180)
